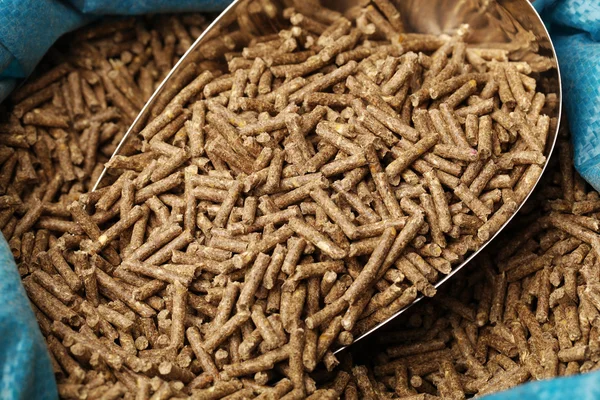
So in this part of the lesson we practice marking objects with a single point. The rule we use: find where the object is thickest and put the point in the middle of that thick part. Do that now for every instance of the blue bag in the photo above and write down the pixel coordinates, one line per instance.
(29, 27)
(575, 29)
(24, 361)
(27, 30)
(579, 387)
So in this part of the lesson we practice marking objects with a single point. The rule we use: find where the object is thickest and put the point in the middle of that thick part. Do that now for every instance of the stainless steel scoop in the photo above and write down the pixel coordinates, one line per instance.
(511, 22)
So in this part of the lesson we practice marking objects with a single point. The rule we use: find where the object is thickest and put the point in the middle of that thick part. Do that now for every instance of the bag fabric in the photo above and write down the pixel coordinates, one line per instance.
(29, 27)
(575, 29)
(579, 387)
(27, 30)
(24, 361)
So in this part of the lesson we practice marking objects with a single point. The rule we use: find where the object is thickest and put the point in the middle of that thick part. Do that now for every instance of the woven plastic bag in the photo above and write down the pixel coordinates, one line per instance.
(27, 30)
(29, 27)
(579, 387)
(24, 362)
(575, 29)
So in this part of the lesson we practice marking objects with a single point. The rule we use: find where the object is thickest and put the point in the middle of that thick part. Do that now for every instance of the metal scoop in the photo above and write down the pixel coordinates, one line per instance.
(510, 22)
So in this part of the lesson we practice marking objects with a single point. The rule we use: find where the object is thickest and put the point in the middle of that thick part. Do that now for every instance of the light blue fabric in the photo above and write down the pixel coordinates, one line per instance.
(575, 29)
(579, 387)
(147, 6)
(29, 27)
(27, 30)
(25, 369)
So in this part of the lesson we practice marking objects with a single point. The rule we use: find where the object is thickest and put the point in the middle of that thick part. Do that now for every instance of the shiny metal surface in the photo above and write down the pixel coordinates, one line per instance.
(510, 24)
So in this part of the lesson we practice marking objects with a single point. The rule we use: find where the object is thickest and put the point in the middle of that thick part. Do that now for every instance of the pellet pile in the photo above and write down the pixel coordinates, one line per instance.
(274, 207)
(526, 310)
